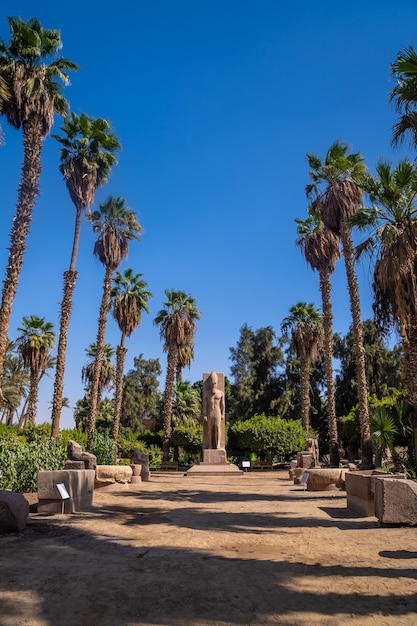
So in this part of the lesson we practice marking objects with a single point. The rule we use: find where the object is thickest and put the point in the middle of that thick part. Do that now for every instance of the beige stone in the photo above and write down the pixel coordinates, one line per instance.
(396, 501)
(325, 479)
(14, 510)
(109, 474)
(79, 485)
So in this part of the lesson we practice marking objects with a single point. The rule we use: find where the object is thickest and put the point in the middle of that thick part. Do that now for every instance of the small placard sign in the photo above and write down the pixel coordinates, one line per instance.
(304, 478)
(63, 491)
(245, 463)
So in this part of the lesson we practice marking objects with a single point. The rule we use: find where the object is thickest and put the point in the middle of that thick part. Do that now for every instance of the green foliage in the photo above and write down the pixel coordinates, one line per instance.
(127, 447)
(151, 439)
(155, 456)
(21, 462)
(190, 439)
(102, 445)
(268, 436)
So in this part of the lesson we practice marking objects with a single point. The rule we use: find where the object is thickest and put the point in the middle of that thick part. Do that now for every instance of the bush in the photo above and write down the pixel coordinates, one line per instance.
(21, 462)
(190, 439)
(102, 445)
(268, 436)
(155, 456)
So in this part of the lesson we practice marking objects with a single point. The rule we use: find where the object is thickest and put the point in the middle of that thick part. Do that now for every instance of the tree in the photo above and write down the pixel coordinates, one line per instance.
(107, 374)
(393, 224)
(129, 298)
(186, 406)
(177, 326)
(337, 192)
(303, 328)
(34, 345)
(34, 97)
(87, 157)
(140, 392)
(15, 384)
(321, 250)
(404, 96)
(116, 225)
(255, 360)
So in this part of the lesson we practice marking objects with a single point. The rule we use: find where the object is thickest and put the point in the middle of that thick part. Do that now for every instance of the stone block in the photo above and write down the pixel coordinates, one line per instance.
(396, 501)
(14, 510)
(325, 479)
(360, 489)
(305, 460)
(79, 485)
(111, 474)
(214, 456)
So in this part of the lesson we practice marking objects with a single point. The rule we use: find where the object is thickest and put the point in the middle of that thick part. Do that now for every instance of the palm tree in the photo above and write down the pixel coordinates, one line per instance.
(34, 97)
(87, 157)
(116, 225)
(393, 240)
(404, 96)
(106, 370)
(15, 384)
(129, 299)
(303, 328)
(336, 189)
(34, 345)
(321, 250)
(383, 431)
(177, 326)
(186, 406)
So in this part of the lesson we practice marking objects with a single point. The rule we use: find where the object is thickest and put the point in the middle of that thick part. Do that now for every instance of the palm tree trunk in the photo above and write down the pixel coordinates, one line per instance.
(101, 333)
(410, 375)
(167, 410)
(32, 397)
(305, 393)
(355, 308)
(325, 289)
(70, 278)
(27, 192)
(120, 360)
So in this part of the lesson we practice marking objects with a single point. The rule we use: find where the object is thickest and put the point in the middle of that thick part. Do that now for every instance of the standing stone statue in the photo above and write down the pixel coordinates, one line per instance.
(213, 415)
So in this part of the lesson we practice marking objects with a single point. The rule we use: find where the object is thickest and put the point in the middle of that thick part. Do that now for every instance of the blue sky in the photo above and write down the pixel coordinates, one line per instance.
(216, 105)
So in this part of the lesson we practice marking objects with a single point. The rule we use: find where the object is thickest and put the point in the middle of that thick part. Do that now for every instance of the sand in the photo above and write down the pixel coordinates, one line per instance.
(252, 549)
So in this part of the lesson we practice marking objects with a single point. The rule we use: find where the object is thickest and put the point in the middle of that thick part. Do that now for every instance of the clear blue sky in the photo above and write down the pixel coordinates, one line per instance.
(216, 104)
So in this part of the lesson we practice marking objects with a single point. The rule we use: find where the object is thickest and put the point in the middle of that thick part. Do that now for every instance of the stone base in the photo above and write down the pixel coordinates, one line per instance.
(214, 469)
(396, 502)
(79, 485)
(214, 456)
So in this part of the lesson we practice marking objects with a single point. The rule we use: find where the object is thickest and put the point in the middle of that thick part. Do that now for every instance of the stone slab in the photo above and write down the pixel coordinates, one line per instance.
(396, 501)
(325, 479)
(360, 489)
(79, 485)
(110, 474)
(214, 456)
(211, 469)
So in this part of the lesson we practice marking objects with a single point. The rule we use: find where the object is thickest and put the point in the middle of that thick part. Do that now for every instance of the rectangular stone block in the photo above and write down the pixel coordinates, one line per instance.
(79, 485)
(360, 489)
(214, 456)
(396, 501)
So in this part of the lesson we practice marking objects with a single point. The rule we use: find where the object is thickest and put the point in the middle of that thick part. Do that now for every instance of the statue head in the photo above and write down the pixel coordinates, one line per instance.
(213, 380)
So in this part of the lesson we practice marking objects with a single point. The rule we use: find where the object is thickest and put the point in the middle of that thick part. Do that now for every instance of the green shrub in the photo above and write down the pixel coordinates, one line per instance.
(155, 456)
(190, 439)
(268, 436)
(127, 448)
(102, 445)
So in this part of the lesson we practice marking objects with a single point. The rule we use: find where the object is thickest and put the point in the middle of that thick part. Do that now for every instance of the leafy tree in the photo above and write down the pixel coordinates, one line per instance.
(337, 192)
(34, 97)
(140, 392)
(129, 298)
(404, 95)
(321, 250)
(34, 345)
(393, 224)
(107, 373)
(87, 157)
(303, 328)
(177, 326)
(255, 360)
(116, 225)
(268, 436)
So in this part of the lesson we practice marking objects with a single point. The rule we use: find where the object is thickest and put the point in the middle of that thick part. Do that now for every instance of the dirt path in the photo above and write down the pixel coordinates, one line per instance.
(253, 549)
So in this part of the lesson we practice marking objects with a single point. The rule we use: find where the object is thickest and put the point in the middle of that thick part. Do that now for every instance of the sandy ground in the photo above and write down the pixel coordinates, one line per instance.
(251, 549)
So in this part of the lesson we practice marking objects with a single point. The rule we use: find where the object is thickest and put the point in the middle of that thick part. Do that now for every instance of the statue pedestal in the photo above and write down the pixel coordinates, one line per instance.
(214, 464)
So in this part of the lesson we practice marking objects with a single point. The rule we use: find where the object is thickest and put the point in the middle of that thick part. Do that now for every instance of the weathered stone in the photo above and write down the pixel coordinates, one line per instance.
(325, 479)
(141, 459)
(360, 489)
(14, 510)
(305, 460)
(79, 485)
(112, 474)
(396, 501)
(76, 453)
(74, 465)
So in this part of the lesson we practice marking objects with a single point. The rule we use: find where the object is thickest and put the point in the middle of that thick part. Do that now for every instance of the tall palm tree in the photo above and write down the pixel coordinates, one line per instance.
(321, 250)
(35, 345)
(303, 328)
(129, 298)
(404, 96)
(15, 384)
(107, 374)
(177, 326)
(87, 157)
(336, 189)
(35, 96)
(116, 225)
(393, 241)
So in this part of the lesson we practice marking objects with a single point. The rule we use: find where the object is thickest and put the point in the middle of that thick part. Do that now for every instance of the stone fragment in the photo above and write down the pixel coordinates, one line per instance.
(14, 510)
(396, 501)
